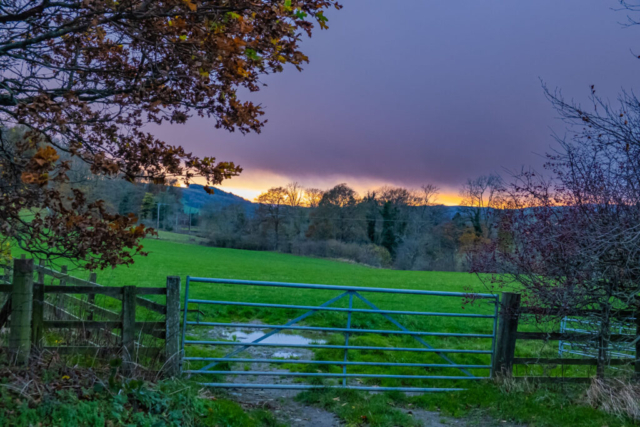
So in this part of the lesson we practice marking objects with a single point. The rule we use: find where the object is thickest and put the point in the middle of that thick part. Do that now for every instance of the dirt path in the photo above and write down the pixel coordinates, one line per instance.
(434, 419)
(287, 410)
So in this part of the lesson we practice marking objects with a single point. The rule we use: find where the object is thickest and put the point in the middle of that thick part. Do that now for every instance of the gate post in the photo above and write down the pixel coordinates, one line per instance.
(507, 330)
(21, 306)
(172, 330)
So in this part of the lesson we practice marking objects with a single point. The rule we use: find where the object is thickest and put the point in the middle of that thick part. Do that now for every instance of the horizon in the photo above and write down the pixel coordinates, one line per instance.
(449, 93)
(250, 194)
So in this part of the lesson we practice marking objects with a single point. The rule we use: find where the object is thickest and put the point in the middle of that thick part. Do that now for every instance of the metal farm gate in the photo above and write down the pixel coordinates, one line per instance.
(218, 364)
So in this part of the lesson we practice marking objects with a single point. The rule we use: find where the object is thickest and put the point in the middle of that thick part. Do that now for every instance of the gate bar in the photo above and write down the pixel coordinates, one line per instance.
(340, 347)
(333, 375)
(335, 362)
(310, 387)
(350, 330)
(346, 310)
(340, 288)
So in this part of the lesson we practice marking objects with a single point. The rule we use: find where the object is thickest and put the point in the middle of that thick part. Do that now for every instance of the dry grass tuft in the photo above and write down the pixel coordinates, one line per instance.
(509, 384)
(617, 397)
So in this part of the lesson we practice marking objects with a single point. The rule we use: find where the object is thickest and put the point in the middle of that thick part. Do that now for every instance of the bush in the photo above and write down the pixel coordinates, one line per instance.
(414, 254)
(373, 255)
(368, 254)
(238, 241)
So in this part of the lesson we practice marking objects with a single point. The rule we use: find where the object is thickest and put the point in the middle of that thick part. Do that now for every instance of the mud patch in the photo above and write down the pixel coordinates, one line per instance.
(280, 402)
(435, 419)
(285, 409)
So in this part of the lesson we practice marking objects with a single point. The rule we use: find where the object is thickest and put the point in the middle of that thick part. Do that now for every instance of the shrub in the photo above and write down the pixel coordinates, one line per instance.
(369, 254)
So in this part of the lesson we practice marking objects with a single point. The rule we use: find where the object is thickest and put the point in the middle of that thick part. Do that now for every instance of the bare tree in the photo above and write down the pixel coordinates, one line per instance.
(571, 241)
(479, 197)
(427, 214)
(428, 195)
(397, 195)
(312, 197)
(294, 194)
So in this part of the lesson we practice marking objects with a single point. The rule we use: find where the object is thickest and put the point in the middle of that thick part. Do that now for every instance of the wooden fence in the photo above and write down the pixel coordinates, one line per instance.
(25, 306)
(508, 335)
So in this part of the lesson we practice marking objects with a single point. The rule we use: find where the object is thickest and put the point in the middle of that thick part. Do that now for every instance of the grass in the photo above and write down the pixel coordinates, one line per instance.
(171, 255)
(132, 403)
(168, 257)
(172, 258)
(486, 404)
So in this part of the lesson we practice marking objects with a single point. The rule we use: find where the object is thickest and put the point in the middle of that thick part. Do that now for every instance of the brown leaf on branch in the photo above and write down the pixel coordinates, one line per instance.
(86, 79)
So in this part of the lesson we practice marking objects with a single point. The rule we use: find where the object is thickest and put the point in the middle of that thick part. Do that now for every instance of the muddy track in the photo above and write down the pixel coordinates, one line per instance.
(282, 403)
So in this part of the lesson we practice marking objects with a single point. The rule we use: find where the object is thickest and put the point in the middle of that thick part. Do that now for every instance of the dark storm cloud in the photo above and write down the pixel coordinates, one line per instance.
(428, 91)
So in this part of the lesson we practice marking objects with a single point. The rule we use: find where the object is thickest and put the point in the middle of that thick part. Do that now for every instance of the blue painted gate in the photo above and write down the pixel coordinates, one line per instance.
(485, 318)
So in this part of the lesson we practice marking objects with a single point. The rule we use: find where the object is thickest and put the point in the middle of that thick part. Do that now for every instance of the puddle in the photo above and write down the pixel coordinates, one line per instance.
(247, 336)
(284, 339)
(285, 355)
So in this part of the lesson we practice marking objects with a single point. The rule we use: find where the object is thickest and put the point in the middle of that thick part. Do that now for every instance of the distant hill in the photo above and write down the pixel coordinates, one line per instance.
(195, 198)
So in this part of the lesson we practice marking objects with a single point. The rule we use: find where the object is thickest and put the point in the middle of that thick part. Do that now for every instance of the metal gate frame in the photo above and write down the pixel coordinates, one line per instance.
(351, 293)
(578, 326)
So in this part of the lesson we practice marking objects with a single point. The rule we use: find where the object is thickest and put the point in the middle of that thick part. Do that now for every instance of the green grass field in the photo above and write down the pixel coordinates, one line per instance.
(175, 255)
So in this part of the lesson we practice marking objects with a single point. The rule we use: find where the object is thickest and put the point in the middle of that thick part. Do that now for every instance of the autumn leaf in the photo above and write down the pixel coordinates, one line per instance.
(192, 6)
(46, 156)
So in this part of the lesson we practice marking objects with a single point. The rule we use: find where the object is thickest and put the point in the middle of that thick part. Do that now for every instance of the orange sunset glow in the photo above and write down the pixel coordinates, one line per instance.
(250, 184)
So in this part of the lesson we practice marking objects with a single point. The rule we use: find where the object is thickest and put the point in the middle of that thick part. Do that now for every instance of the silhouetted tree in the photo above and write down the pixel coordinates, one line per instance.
(272, 209)
(312, 197)
(479, 197)
(337, 212)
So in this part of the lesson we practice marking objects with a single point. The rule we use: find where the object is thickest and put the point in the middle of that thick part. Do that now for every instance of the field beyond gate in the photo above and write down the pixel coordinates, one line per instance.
(347, 336)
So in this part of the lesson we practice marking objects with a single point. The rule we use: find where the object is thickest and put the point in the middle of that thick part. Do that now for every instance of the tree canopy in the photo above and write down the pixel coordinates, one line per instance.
(82, 79)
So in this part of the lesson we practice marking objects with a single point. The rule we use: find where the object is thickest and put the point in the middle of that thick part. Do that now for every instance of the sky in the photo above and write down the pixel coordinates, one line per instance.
(417, 92)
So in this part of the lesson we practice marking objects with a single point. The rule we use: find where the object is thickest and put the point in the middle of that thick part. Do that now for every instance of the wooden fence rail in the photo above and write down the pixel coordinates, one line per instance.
(26, 302)
(508, 335)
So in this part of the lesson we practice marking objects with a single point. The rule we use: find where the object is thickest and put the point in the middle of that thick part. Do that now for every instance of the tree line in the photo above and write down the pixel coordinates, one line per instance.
(388, 227)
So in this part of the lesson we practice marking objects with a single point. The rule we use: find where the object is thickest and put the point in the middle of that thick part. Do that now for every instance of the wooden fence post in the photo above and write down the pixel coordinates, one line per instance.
(63, 270)
(5, 310)
(41, 272)
(60, 300)
(91, 300)
(172, 338)
(21, 306)
(507, 330)
(7, 274)
(37, 326)
(128, 326)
